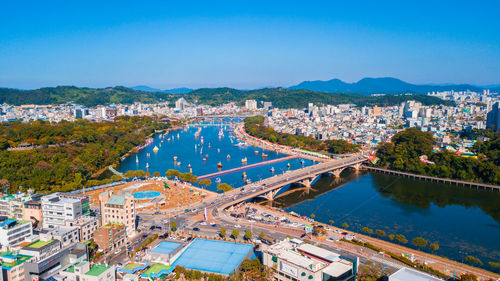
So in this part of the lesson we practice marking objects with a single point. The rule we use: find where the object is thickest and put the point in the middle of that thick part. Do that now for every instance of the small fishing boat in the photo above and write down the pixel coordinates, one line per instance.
(272, 170)
(219, 165)
(178, 163)
(204, 159)
(288, 165)
(147, 165)
(228, 156)
(248, 181)
(256, 152)
(136, 159)
(189, 166)
(244, 160)
(244, 175)
(218, 149)
(264, 155)
(148, 155)
(155, 149)
(175, 158)
(217, 180)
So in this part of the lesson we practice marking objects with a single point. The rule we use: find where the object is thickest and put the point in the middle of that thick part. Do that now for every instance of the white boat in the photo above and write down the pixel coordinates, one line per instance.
(147, 165)
(136, 159)
(155, 149)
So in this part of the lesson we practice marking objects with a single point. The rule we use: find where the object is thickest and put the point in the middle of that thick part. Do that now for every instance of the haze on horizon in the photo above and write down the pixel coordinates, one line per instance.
(246, 45)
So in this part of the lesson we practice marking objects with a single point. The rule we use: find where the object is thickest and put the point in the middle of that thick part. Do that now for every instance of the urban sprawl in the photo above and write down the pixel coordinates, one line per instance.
(106, 233)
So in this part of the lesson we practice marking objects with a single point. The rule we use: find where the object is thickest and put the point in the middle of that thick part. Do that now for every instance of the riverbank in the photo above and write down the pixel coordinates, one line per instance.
(441, 264)
(134, 151)
(241, 134)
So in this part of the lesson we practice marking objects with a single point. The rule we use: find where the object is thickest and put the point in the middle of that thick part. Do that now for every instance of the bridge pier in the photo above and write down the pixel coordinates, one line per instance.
(357, 166)
(336, 173)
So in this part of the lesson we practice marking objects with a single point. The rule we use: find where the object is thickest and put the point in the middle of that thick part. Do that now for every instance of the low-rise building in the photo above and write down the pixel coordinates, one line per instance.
(405, 274)
(49, 256)
(86, 225)
(111, 236)
(58, 209)
(82, 271)
(298, 261)
(66, 235)
(118, 209)
(12, 265)
(33, 213)
(13, 232)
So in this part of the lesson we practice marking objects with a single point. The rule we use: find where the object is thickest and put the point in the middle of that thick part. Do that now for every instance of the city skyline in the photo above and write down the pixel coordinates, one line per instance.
(236, 45)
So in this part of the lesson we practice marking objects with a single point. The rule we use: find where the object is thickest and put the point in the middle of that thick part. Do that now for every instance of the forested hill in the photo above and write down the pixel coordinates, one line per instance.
(282, 98)
(287, 98)
(83, 96)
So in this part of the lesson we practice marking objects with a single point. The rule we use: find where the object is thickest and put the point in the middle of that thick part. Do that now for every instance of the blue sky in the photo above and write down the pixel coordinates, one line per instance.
(246, 44)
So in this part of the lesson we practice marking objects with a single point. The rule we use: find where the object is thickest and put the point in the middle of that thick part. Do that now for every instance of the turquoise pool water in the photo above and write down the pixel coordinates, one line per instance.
(146, 194)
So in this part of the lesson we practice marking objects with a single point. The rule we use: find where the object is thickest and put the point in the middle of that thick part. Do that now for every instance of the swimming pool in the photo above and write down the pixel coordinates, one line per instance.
(146, 194)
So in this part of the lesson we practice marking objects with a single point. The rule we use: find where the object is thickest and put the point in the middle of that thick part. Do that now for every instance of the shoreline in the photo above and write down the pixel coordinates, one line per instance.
(442, 264)
(446, 263)
(241, 134)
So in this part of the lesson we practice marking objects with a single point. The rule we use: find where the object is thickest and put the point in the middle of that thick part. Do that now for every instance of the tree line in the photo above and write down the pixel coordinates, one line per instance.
(254, 126)
(405, 148)
(280, 97)
(89, 148)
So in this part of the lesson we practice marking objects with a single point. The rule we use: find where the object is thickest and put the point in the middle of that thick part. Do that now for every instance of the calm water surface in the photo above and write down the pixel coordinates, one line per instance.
(463, 221)
(184, 148)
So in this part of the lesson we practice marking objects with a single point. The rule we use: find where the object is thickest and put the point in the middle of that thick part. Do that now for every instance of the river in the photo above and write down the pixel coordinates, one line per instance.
(215, 150)
(461, 220)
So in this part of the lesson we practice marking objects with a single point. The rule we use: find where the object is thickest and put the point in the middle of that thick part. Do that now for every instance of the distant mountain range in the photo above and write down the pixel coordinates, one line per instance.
(170, 91)
(386, 85)
(365, 86)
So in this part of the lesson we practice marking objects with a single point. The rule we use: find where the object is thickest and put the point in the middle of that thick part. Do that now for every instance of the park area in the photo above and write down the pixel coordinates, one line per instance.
(157, 194)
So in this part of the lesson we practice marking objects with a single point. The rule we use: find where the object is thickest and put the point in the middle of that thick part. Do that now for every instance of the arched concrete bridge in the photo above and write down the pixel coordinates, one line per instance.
(271, 186)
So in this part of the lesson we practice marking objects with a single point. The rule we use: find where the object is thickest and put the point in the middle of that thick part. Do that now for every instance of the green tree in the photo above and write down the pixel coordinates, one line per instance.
(434, 246)
(313, 216)
(331, 222)
(261, 235)
(173, 226)
(345, 225)
(248, 235)
(205, 182)
(223, 232)
(401, 239)
(468, 277)
(391, 237)
(235, 234)
(380, 232)
(419, 242)
(273, 138)
(473, 260)
(156, 174)
(172, 173)
(224, 187)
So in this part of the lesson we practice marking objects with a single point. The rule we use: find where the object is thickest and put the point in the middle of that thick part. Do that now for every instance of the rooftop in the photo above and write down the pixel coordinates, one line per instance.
(116, 200)
(319, 252)
(38, 244)
(97, 270)
(407, 274)
(10, 259)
